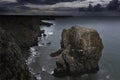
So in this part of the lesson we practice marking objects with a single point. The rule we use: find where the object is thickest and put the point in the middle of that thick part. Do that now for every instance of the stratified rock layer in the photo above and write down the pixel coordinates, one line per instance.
(80, 52)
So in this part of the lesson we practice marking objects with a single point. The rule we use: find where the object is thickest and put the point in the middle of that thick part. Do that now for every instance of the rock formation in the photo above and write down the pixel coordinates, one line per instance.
(12, 64)
(81, 49)
(17, 34)
(25, 30)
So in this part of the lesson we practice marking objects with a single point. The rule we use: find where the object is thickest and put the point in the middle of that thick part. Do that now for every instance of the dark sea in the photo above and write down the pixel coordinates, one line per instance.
(42, 65)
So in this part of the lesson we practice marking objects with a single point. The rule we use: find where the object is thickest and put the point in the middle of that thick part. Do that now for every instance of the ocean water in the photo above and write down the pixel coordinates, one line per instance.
(42, 65)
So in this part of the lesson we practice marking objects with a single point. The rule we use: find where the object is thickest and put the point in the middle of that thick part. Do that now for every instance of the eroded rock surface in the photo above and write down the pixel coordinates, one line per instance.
(12, 64)
(17, 34)
(81, 49)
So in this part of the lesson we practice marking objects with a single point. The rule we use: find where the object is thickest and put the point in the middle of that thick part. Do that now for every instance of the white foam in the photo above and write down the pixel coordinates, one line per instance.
(51, 72)
(43, 68)
(47, 21)
(108, 77)
(39, 78)
(34, 54)
(32, 49)
(50, 33)
(39, 44)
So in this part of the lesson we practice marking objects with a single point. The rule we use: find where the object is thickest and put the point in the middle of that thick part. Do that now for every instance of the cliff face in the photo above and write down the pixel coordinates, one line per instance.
(81, 49)
(24, 30)
(12, 64)
(17, 34)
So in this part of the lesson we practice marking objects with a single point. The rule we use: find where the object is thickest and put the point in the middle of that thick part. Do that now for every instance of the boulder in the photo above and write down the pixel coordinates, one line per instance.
(81, 49)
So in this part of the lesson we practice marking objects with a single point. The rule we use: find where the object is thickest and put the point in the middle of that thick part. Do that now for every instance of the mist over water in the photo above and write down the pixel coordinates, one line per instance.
(42, 65)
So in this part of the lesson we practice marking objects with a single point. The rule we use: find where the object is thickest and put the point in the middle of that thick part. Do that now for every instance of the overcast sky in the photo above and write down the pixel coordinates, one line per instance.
(56, 3)
(73, 4)
(17, 5)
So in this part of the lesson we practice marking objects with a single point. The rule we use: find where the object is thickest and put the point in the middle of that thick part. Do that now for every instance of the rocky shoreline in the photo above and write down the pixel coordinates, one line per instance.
(17, 34)
(81, 48)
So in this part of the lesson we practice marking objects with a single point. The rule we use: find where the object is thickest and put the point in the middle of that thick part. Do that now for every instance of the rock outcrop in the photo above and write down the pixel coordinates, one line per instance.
(17, 34)
(25, 30)
(81, 49)
(12, 64)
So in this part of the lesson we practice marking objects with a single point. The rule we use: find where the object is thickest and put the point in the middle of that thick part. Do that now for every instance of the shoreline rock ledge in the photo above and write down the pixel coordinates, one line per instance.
(81, 49)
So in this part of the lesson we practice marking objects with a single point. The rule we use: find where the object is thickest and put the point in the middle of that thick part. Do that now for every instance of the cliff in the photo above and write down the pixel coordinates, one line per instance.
(17, 34)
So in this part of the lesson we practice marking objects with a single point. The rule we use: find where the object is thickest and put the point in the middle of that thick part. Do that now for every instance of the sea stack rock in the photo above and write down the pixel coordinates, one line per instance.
(81, 49)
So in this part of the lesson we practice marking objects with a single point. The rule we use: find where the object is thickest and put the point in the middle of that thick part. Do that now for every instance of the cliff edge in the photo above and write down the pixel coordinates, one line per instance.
(17, 34)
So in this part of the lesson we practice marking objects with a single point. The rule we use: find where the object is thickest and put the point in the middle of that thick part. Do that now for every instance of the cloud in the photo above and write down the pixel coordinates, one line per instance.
(14, 6)
(43, 1)
(74, 4)
(11, 1)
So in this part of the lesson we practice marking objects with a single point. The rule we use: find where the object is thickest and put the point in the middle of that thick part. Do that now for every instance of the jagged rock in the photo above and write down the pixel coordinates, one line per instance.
(25, 31)
(81, 49)
(12, 64)
(17, 35)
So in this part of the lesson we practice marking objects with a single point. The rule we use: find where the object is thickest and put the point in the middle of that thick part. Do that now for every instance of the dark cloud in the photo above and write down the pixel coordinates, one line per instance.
(4, 10)
(44, 1)
(11, 7)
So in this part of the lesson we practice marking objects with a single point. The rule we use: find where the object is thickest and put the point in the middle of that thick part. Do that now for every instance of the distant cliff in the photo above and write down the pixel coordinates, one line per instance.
(17, 34)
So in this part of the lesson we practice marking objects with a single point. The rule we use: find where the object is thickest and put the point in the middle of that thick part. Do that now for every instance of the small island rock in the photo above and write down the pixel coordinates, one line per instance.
(81, 49)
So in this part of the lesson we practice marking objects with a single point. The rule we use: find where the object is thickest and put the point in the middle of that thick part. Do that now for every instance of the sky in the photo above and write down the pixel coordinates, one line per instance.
(57, 3)
(73, 4)
(34, 5)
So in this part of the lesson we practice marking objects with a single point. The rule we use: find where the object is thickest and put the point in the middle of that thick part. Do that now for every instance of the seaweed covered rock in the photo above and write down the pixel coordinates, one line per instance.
(12, 64)
(81, 49)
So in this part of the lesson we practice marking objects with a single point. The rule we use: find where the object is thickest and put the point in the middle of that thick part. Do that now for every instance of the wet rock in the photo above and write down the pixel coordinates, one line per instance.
(56, 53)
(42, 31)
(48, 43)
(43, 43)
(81, 49)
(46, 23)
(44, 35)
